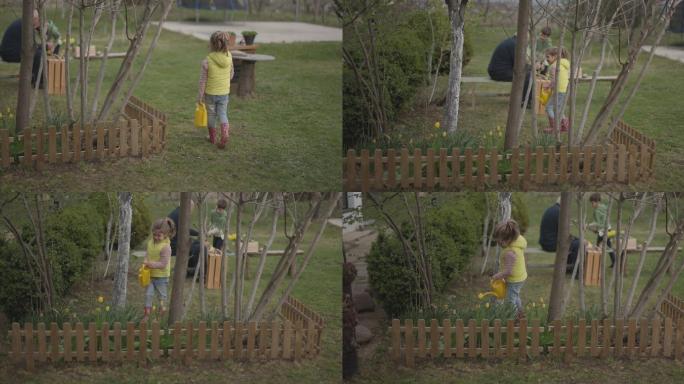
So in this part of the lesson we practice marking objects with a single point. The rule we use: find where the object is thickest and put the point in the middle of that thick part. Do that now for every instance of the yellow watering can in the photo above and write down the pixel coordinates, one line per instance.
(144, 276)
(200, 115)
(498, 290)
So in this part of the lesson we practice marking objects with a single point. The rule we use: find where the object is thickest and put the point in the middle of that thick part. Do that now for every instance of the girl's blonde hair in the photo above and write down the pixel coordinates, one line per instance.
(553, 51)
(165, 226)
(219, 41)
(506, 231)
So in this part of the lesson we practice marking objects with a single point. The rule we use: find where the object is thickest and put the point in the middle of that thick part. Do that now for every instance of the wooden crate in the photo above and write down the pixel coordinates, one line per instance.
(56, 77)
(214, 269)
(592, 267)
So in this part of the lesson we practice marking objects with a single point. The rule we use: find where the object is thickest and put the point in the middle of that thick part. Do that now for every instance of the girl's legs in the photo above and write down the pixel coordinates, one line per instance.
(513, 295)
(210, 101)
(222, 112)
(161, 285)
(149, 295)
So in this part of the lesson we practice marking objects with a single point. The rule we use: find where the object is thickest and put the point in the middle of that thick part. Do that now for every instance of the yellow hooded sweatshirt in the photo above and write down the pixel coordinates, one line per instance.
(219, 68)
(519, 271)
(563, 75)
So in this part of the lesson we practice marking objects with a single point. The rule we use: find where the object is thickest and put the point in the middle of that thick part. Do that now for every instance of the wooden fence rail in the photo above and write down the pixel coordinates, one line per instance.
(672, 307)
(183, 342)
(142, 133)
(522, 168)
(294, 311)
(560, 339)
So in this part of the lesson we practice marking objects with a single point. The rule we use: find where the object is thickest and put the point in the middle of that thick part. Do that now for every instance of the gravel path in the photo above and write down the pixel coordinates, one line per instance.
(267, 31)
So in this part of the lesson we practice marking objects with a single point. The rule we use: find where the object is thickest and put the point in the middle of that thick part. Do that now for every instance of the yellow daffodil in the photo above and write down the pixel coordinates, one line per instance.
(444, 134)
(107, 308)
(480, 295)
(543, 305)
(154, 307)
(534, 305)
(100, 299)
(541, 300)
(437, 125)
(487, 305)
(232, 237)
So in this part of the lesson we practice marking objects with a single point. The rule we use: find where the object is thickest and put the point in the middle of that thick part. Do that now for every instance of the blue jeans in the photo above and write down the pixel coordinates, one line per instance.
(216, 105)
(161, 285)
(513, 294)
(551, 103)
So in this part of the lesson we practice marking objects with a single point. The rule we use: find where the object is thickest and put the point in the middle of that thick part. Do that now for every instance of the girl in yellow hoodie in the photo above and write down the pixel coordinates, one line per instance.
(512, 261)
(214, 85)
(561, 88)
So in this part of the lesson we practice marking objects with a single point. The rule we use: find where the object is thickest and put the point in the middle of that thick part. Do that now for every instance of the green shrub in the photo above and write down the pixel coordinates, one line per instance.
(453, 227)
(519, 212)
(73, 241)
(17, 295)
(392, 279)
(140, 222)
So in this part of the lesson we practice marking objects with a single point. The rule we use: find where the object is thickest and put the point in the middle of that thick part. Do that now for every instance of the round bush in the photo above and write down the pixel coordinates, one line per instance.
(18, 289)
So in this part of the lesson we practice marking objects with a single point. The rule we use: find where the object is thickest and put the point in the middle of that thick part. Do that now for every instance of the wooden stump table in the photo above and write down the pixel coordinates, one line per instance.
(244, 82)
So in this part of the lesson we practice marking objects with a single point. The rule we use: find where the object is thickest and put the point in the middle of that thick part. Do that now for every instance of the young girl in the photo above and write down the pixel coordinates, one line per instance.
(561, 89)
(214, 85)
(511, 262)
(158, 259)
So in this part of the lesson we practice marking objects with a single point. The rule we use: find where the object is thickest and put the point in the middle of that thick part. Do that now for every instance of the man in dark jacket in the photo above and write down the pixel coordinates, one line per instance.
(194, 244)
(502, 62)
(548, 235)
(10, 47)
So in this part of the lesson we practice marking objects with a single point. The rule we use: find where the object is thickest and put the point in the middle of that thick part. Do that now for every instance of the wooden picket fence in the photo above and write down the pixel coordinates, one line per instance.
(137, 109)
(294, 311)
(76, 343)
(596, 339)
(672, 307)
(629, 159)
(139, 135)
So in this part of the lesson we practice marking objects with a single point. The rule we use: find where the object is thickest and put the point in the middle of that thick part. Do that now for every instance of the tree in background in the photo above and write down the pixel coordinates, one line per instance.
(124, 249)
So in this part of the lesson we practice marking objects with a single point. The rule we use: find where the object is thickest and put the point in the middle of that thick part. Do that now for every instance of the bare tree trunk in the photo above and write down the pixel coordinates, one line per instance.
(23, 118)
(456, 9)
(202, 203)
(237, 302)
(224, 260)
(183, 233)
(604, 286)
(148, 56)
(582, 251)
(124, 249)
(666, 260)
(485, 234)
(514, 110)
(618, 257)
(556, 300)
(67, 71)
(262, 256)
(644, 249)
(114, 13)
(43, 60)
(307, 257)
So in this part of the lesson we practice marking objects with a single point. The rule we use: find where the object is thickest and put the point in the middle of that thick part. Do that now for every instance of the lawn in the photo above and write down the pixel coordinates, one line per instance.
(319, 288)
(463, 292)
(654, 111)
(285, 138)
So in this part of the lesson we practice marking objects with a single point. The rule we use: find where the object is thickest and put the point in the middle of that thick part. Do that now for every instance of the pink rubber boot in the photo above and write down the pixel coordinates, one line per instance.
(225, 128)
(212, 135)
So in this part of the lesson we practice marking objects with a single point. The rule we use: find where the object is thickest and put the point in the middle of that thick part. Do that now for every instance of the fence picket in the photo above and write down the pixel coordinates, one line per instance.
(310, 340)
(643, 337)
(619, 330)
(101, 142)
(556, 338)
(468, 167)
(610, 164)
(581, 337)
(299, 329)
(275, 339)
(536, 329)
(40, 334)
(189, 344)
(443, 170)
(202, 340)
(130, 341)
(421, 338)
(569, 346)
(404, 168)
(391, 169)
(430, 169)
(118, 356)
(417, 169)
(606, 332)
(460, 338)
(434, 339)
(622, 163)
(522, 337)
(586, 164)
(509, 338)
(515, 167)
(105, 342)
(142, 342)
(226, 341)
(563, 165)
(679, 343)
(655, 338)
(155, 340)
(480, 167)
(598, 155)
(213, 341)
(287, 340)
(135, 137)
(350, 170)
(493, 167)
(251, 340)
(446, 326)
(455, 167)
(92, 342)
(667, 337)
(539, 172)
(631, 337)
(497, 338)
(66, 331)
(410, 359)
(30, 363)
(28, 148)
(378, 174)
(40, 149)
(54, 342)
(177, 341)
(485, 339)
(527, 173)
(5, 149)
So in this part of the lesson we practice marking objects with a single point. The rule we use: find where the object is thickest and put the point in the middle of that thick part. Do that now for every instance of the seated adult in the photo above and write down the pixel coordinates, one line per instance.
(548, 235)
(10, 47)
(501, 65)
(193, 258)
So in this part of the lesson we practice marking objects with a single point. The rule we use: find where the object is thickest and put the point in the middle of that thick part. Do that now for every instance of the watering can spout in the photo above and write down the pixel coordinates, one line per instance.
(498, 290)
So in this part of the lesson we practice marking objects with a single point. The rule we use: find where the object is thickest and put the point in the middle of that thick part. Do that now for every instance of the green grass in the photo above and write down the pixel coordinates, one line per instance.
(654, 111)
(285, 138)
(319, 288)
